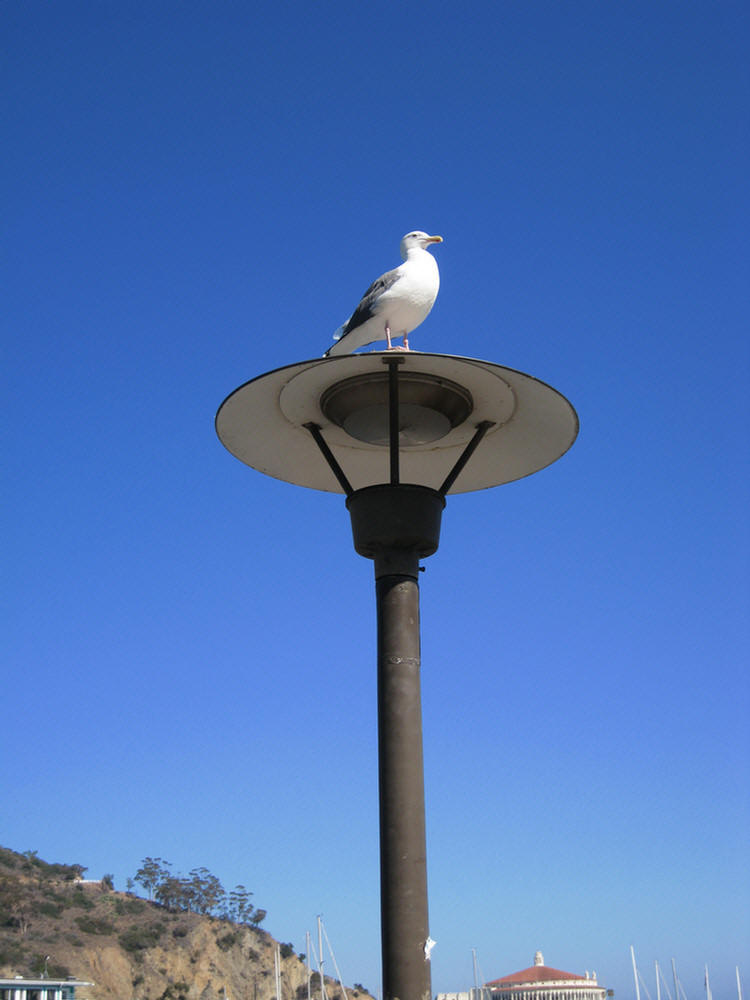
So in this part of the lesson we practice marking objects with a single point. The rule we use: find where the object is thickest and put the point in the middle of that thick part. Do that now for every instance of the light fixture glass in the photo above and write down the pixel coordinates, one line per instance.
(429, 407)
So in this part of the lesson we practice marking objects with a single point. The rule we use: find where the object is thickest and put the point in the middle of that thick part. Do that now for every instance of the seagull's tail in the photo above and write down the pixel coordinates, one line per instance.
(338, 334)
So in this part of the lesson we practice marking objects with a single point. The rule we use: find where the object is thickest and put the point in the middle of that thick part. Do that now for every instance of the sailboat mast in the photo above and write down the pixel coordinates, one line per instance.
(658, 986)
(277, 970)
(676, 982)
(308, 944)
(320, 959)
(476, 975)
(663, 981)
(344, 994)
(635, 974)
(739, 985)
(707, 984)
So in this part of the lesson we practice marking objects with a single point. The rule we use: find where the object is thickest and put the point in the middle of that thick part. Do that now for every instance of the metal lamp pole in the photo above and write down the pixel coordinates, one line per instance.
(403, 849)
(449, 404)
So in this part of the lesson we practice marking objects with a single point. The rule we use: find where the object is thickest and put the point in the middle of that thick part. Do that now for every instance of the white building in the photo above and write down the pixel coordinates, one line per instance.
(540, 982)
(39, 989)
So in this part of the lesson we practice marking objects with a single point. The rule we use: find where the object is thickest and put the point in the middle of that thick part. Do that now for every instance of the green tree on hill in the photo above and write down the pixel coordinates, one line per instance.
(173, 892)
(206, 891)
(240, 909)
(198, 892)
(152, 872)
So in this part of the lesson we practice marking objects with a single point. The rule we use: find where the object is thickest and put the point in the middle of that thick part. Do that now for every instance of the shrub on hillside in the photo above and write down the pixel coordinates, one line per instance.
(94, 925)
(228, 940)
(123, 906)
(79, 898)
(12, 953)
(42, 966)
(137, 938)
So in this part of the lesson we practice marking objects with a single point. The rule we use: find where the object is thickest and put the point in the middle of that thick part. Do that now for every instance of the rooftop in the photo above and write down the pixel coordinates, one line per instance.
(541, 973)
(19, 982)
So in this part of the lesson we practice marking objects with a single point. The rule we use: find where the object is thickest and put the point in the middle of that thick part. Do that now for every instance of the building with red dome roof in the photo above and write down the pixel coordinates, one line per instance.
(541, 982)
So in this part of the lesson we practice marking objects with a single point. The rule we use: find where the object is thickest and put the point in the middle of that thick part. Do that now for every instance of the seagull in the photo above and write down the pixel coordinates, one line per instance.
(397, 302)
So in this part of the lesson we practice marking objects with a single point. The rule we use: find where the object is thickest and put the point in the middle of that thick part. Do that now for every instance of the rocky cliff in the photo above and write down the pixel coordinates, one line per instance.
(133, 949)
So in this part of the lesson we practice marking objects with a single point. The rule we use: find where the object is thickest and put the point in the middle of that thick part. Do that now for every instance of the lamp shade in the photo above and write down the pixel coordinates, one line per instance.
(442, 400)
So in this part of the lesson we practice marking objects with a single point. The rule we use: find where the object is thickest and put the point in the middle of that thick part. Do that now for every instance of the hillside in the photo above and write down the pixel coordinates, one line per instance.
(132, 948)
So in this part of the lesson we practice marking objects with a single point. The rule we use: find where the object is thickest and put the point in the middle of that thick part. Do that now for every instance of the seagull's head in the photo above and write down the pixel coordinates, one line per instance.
(417, 240)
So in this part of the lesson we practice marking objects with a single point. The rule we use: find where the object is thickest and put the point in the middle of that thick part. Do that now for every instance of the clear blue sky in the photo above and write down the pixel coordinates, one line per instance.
(196, 193)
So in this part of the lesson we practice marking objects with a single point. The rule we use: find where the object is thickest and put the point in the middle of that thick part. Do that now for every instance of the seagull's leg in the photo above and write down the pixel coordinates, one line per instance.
(388, 337)
(406, 342)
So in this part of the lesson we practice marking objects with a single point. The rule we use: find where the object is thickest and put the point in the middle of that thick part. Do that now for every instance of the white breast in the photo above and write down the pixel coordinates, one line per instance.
(406, 304)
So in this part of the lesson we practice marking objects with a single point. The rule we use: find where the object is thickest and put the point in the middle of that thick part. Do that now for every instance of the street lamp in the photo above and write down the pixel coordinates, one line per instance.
(396, 432)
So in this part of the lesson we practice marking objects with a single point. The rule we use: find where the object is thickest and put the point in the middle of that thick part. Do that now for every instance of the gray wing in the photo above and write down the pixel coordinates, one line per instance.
(366, 308)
